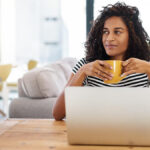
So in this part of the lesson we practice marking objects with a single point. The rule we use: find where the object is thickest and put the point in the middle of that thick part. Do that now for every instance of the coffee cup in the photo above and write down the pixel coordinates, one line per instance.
(116, 71)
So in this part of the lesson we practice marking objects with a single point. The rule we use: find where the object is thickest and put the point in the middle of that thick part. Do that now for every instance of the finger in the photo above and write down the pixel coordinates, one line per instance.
(105, 64)
(106, 74)
(104, 70)
(129, 67)
(127, 62)
(99, 72)
(128, 73)
(99, 76)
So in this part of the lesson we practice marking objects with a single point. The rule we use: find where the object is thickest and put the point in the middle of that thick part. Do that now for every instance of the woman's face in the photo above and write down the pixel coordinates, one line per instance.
(115, 38)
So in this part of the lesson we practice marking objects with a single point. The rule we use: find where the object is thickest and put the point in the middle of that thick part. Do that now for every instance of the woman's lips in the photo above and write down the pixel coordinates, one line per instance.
(110, 46)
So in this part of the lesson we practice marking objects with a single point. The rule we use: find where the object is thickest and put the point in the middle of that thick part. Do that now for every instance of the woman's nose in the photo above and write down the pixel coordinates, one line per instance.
(110, 37)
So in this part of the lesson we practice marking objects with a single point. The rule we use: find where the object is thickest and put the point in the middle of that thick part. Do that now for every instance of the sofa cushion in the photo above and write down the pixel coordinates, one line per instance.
(48, 81)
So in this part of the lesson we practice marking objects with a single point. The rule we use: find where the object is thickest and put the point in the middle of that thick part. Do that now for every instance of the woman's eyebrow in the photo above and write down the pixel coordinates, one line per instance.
(119, 28)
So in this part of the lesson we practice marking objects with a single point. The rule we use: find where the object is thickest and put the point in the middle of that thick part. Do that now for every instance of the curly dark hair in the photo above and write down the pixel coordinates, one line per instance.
(139, 41)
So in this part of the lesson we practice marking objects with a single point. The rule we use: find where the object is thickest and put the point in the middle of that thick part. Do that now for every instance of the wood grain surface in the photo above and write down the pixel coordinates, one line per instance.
(43, 134)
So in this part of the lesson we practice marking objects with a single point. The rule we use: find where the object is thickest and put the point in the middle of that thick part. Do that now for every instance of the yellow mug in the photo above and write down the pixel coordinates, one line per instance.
(116, 71)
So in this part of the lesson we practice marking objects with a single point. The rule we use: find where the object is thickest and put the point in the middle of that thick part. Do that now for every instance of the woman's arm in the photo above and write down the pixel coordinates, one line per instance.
(97, 68)
(59, 107)
(148, 70)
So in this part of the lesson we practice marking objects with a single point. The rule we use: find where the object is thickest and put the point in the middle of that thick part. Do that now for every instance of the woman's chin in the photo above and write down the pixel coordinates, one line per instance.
(111, 54)
(114, 56)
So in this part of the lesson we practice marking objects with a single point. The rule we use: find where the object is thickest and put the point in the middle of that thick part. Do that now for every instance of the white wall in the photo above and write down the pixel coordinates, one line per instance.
(74, 17)
(7, 31)
(38, 36)
(23, 30)
(27, 30)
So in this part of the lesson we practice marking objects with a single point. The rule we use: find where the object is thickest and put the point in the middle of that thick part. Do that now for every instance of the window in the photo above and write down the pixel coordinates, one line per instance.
(42, 30)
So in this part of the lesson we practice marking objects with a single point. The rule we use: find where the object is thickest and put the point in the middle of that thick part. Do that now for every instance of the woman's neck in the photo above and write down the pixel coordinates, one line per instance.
(116, 58)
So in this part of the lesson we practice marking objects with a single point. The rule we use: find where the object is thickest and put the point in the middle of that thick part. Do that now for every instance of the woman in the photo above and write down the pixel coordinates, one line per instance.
(116, 34)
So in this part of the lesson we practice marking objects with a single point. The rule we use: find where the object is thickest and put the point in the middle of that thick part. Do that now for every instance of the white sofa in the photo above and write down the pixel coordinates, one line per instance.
(39, 88)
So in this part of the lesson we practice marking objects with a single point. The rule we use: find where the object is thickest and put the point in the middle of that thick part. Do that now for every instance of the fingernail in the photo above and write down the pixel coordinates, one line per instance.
(111, 75)
(122, 75)
(111, 68)
(105, 79)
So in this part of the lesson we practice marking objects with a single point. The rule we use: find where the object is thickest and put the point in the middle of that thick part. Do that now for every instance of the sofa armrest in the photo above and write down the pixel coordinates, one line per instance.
(31, 108)
(21, 92)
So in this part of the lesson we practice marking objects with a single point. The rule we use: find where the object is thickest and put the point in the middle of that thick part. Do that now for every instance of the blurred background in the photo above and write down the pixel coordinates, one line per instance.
(49, 30)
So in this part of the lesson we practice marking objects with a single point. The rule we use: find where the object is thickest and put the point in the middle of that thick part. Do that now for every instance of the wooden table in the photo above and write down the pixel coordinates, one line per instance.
(42, 134)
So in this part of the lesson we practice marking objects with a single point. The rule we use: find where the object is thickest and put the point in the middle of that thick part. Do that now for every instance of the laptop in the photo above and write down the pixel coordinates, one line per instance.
(108, 116)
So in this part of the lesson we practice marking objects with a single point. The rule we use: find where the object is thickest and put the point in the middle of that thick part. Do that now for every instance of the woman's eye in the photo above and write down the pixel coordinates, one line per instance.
(117, 32)
(105, 32)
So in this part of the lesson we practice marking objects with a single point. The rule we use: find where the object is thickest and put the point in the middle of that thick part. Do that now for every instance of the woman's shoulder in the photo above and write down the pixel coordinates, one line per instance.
(79, 64)
(83, 60)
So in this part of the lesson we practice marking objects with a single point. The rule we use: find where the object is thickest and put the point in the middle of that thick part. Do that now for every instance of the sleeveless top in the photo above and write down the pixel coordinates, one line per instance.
(132, 80)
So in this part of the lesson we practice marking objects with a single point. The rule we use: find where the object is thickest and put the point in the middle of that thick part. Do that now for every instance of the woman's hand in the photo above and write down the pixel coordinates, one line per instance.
(99, 69)
(134, 65)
